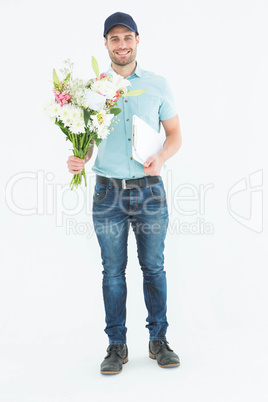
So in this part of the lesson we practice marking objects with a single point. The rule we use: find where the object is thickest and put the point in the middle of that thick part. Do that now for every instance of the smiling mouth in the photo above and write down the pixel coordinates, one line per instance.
(123, 53)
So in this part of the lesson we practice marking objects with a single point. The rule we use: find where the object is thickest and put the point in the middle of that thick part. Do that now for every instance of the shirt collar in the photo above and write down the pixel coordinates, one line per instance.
(137, 72)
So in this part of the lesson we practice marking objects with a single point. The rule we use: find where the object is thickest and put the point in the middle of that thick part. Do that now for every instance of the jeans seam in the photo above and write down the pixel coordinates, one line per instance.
(158, 199)
(136, 203)
(149, 291)
(104, 198)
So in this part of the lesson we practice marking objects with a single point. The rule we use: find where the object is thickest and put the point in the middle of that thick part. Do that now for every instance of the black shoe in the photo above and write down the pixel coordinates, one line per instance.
(117, 355)
(165, 356)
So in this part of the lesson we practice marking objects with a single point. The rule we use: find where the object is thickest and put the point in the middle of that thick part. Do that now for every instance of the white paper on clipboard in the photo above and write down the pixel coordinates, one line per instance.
(145, 140)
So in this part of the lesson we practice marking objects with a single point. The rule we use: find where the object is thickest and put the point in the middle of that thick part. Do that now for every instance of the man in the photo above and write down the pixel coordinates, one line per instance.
(129, 193)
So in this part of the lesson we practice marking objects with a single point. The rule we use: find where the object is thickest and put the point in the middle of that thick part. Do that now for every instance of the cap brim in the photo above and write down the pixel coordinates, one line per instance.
(125, 25)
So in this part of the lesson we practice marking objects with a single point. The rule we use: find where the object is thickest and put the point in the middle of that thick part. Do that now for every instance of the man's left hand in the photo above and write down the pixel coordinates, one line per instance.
(153, 165)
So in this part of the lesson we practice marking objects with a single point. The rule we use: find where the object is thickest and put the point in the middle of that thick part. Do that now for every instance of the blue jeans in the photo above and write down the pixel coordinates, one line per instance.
(145, 209)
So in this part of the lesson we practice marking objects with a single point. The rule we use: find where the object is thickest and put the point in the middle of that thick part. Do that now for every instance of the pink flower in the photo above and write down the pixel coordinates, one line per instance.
(62, 98)
(56, 92)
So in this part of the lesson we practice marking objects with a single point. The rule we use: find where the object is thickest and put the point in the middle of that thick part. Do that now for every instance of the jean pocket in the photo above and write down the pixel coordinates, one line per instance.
(100, 192)
(158, 191)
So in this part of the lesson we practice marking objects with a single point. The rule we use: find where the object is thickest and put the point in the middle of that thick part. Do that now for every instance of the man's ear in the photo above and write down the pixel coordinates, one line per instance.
(105, 42)
(138, 39)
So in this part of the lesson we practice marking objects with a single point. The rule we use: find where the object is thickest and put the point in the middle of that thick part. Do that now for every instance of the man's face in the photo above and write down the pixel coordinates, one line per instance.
(122, 45)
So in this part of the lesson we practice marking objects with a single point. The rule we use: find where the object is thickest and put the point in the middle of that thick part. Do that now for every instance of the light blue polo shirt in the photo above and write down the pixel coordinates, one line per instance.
(114, 158)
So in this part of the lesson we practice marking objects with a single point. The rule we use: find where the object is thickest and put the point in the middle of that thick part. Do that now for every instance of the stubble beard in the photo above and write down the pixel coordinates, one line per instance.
(116, 61)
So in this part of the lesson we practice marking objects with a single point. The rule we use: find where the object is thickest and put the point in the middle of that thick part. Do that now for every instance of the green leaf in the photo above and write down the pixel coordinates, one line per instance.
(55, 77)
(115, 111)
(86, 116)
(90, 82)
(135, 92)
(64, 129)
(95, 67)
(67, 78)
(98, 141)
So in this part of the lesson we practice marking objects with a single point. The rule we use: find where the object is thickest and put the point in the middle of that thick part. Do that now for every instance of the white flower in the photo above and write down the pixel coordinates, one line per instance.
(76, 88)
(90, 126)
(75, 113)
(101, 122)
(102, 119)
(109, 87)
(85, 104)
(103, 133)
(53, 110)
(104, 88)
(65, 114)
(78, 126)
(72, 117)
(119, 82)
(45, 108)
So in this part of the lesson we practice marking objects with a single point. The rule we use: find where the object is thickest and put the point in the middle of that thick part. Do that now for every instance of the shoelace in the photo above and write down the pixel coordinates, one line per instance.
(164, 343)
(115, 348)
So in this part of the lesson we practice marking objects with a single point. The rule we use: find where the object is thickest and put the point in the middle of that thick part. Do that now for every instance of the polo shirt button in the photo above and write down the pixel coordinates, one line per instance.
(126, 101)
(131, 158)
(129, 139)
(133, 177)
(127, 119)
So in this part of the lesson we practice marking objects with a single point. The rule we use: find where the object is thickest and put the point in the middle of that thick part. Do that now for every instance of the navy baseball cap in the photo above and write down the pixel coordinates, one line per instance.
(120, 19)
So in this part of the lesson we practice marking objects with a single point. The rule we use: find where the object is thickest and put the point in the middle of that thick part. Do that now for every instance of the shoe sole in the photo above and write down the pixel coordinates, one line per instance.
(152, 356)
(115, 372)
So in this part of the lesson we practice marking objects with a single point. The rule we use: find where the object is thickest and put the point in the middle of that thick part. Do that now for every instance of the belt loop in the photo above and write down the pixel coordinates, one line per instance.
(146, 181)
(110, 182)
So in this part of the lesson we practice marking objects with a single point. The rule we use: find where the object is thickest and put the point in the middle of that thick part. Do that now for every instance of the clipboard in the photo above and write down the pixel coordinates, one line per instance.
(145, 140)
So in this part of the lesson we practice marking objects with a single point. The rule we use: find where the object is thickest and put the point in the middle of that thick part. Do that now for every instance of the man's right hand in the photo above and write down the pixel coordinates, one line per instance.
(75, 164)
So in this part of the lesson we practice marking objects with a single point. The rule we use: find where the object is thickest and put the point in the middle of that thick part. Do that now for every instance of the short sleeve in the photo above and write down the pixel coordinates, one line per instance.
(168, 107)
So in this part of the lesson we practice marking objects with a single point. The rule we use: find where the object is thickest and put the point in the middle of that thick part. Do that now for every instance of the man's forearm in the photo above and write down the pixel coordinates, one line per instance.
(173, 138)
(171, 145)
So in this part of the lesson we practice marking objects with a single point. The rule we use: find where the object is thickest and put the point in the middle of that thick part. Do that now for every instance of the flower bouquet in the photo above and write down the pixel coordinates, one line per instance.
(85, 111)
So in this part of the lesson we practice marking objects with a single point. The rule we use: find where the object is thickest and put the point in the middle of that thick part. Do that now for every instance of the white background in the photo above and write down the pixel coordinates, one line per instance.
(214, 54)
